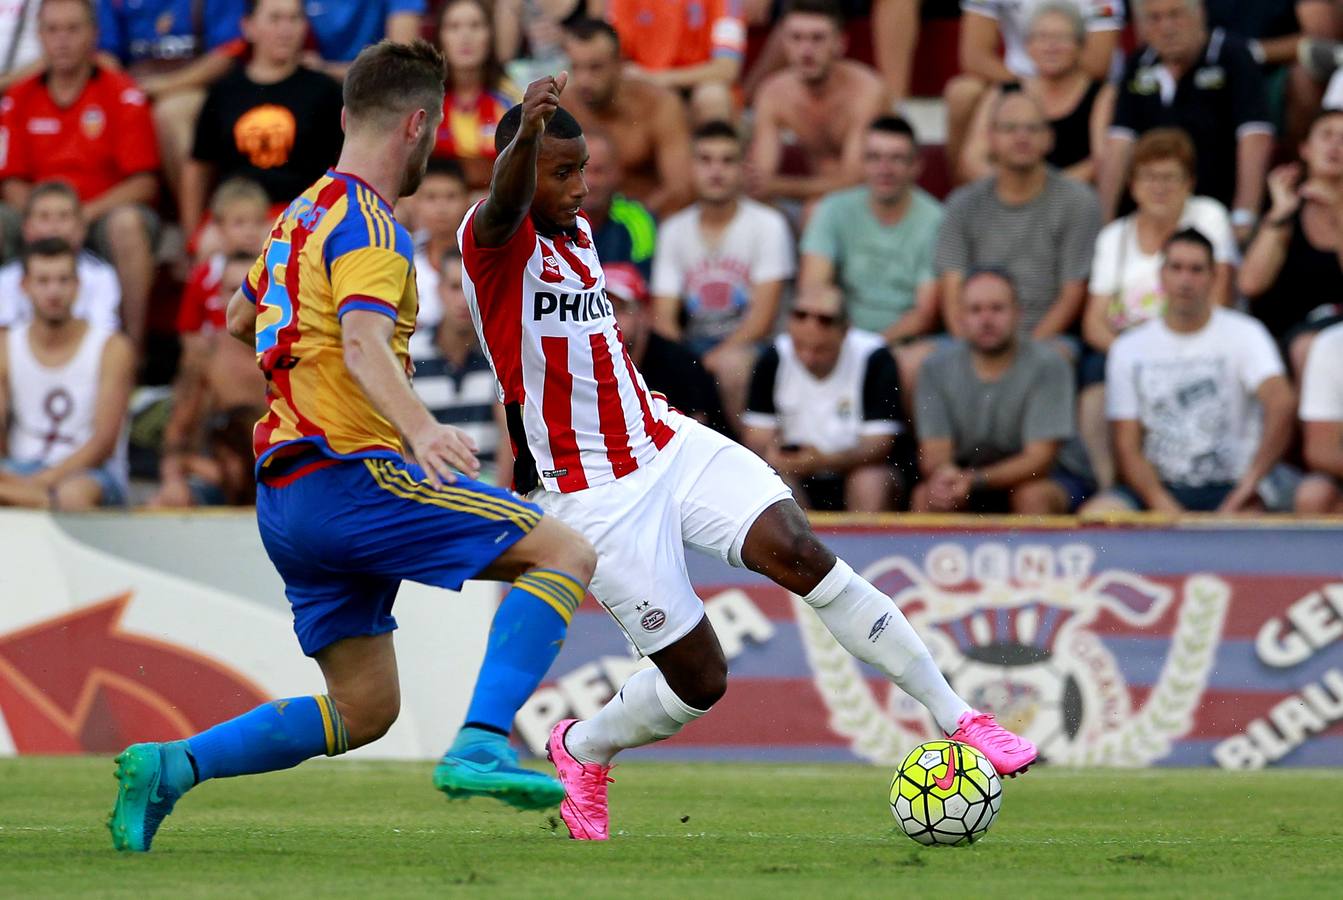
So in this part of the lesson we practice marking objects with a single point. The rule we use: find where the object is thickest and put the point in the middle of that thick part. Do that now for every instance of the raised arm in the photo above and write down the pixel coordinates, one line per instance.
(514, 181)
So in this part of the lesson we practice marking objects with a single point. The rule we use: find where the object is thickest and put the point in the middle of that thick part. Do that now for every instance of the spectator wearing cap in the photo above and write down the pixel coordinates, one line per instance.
(994, 414)
(817, 109)
(1206, 82)
(1026, 218)
(174, 49)
(271, 119)
(988, 25)
(1321, 492)
(85, 123)
(1199, 406)
(825, 408)
(877, 241)
(721, 266)
(622, 228)
(690, 46)
(53, 211)
(667, 367)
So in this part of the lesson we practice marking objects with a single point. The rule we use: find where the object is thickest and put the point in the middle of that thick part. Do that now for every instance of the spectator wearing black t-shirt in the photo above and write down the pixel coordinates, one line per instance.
(824, 408)
(667, 367)
(270, 120)
(1207, 83)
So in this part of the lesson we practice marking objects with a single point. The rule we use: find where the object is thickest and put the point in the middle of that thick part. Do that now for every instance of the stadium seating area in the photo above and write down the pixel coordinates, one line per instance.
(1033, 257)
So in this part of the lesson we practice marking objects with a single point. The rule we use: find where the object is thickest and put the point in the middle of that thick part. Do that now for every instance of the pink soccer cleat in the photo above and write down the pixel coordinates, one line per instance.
(584, 807)
(1011, 755)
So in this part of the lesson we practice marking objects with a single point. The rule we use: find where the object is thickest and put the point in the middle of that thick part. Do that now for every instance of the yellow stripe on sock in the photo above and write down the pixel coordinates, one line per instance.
(566, 583)
(324, 707)
(539, 593)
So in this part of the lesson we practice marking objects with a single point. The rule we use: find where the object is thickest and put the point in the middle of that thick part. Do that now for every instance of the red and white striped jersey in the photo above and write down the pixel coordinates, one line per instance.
(579, 412)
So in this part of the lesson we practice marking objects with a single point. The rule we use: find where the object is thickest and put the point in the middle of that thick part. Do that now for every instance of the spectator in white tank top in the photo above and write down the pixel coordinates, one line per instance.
(64, 388)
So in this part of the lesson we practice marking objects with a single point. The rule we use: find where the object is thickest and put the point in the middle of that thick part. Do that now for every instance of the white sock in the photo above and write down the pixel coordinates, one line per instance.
(869, 625)
(645, 710)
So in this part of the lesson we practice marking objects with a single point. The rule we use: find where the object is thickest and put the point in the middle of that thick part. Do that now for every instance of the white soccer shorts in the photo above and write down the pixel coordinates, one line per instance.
(703, 491)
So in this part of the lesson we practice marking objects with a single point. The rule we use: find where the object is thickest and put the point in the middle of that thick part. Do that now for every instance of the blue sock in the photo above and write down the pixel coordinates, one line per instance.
(525, 637)
(277, 735)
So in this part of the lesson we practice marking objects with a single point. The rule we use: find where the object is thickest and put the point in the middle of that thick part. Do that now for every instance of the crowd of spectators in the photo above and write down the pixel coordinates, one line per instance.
(1095, 265)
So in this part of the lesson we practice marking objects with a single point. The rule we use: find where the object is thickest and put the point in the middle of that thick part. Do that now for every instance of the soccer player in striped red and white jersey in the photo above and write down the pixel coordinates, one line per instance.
(602, 453)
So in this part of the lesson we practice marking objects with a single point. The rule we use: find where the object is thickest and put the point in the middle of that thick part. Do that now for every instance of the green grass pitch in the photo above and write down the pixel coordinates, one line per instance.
(373, 830)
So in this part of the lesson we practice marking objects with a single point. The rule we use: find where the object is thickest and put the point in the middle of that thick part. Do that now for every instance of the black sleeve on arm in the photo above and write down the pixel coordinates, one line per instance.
(881, 389)
(205, 145)
(760, 398)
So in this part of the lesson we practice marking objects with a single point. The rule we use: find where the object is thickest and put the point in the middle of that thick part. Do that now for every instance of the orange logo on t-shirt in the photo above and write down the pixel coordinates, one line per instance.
(265, 135)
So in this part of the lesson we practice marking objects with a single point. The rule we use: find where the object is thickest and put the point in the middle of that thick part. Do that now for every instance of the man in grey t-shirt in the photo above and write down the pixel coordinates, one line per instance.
(1026, 218)
(994, 413)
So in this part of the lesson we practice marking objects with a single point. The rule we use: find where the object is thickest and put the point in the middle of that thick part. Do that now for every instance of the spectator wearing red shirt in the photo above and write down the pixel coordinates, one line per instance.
(89, 125)
(693, 46)
(241, 212)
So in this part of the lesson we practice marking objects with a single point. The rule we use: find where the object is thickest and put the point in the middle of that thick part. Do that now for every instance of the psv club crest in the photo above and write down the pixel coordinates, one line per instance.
(1013, 629)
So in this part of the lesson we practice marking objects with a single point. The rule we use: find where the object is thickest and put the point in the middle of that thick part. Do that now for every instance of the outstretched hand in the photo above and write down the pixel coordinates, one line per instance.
(539, 104)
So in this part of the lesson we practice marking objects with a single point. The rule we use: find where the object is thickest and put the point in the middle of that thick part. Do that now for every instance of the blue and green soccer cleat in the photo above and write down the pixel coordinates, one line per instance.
(482, 764)
(146, 792)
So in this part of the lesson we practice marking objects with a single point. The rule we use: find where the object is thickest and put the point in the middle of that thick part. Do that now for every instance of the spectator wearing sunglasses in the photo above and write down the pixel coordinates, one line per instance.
(995, 415)
(824, 408)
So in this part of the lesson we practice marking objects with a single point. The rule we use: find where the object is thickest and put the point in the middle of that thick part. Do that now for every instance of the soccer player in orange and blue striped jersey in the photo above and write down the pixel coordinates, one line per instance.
(330, 305)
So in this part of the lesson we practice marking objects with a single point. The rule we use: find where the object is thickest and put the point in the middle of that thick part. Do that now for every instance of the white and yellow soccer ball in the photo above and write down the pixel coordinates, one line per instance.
(945, 794)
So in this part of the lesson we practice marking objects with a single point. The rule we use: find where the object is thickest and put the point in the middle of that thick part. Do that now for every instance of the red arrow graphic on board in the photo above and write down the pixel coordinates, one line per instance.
(79, 683)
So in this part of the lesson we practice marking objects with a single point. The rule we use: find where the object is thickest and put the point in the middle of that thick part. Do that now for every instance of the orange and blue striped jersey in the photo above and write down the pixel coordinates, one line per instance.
(335, 249)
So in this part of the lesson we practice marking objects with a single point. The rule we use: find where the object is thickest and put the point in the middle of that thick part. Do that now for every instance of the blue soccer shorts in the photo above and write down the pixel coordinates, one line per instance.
(344, 534)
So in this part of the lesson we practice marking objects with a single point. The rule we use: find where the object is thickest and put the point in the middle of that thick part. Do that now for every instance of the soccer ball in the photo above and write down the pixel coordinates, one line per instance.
(945, 794)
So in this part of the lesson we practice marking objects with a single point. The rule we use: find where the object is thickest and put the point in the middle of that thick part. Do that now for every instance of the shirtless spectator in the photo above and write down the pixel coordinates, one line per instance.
(647, 123)
(53, 211)
(989, 24)
(694, 47)
(816, 110)
(64, 389)
(218, 379)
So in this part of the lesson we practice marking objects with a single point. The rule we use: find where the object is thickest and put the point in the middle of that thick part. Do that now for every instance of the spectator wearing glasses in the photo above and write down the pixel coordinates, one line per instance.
(994, 415)
(825, 408)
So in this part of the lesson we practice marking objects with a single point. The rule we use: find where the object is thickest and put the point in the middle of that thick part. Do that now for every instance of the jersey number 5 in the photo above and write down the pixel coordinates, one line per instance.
(276, 297)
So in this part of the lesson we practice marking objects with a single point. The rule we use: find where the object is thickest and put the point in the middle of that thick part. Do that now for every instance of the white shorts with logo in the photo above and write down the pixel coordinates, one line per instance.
(702, 491)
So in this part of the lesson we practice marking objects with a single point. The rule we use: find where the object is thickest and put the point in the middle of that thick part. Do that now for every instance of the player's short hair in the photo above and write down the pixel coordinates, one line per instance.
(54, 188)
(585, 29)
(1190, 236)
(562, 126)
(897, 125)
(235, 192)
(830, 9)
(1161, 144)
(390, 79)
(716, 129)
(48, 248)
(442, 167)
